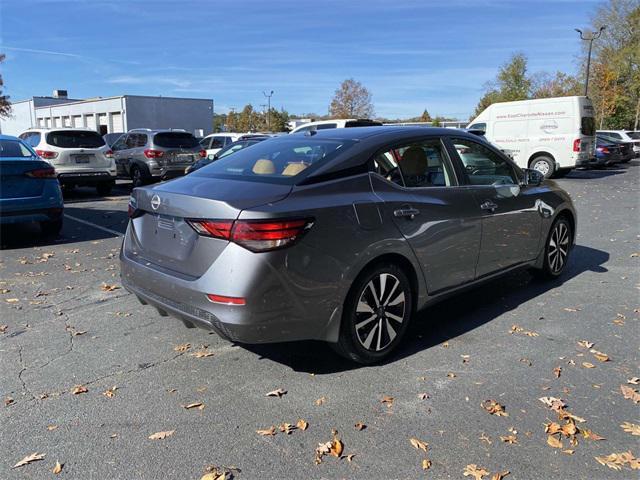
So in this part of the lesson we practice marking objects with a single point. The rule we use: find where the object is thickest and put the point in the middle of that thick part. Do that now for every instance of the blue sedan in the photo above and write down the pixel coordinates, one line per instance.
(29, 188)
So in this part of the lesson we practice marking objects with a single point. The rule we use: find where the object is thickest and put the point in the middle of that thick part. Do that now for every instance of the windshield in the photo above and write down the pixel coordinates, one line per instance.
(278, 160)
(75, 139)
(175, 140)
(15, 149)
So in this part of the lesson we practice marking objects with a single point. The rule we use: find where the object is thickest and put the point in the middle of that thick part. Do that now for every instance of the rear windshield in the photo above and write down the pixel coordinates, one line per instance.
(362, 123)
(588, 126)
(14, 149)
(278, 160)
(175, 140)
(75, 139)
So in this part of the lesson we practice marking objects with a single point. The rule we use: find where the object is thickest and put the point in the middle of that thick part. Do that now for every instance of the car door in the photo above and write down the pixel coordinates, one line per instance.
(511, 212)
(118, 150)
(439, 219)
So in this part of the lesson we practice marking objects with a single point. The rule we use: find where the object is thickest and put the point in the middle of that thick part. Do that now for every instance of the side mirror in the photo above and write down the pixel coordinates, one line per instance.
(532, 177)
(212, 156)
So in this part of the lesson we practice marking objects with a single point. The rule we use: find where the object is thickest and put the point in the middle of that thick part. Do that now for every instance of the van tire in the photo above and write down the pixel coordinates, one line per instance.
(544, 164)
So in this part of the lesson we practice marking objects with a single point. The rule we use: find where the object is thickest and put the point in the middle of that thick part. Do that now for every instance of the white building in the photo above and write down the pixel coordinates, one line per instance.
(110, 114)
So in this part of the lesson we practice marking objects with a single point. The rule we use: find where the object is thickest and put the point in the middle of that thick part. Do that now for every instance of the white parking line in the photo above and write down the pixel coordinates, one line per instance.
(99, 227)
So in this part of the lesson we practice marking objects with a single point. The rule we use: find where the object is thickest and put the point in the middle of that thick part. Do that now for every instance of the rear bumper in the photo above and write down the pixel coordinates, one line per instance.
(589, 162)
(167, 172)
(274, 311)
(46, 207)
(91, 177)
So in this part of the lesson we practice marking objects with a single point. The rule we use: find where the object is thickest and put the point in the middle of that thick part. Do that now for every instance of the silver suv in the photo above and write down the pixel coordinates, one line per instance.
(146, 156)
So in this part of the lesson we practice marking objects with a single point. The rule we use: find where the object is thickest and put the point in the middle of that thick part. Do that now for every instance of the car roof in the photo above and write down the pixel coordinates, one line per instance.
(360, 133)
(8, 137)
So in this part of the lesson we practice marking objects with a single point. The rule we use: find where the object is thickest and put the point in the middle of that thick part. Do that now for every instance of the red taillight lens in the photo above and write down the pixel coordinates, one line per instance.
(108, 154)
(226, 300)
(203, 153)
(576, 145)
(46, 154)
(42, 173)
(254, 235)
(150, 153)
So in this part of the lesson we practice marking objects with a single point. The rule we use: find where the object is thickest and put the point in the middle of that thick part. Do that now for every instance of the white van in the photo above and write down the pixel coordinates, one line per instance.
(551, 135)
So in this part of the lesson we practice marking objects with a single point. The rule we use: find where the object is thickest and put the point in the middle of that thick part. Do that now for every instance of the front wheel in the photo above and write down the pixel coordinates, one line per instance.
(376, 314)
(544, 165)
(557, 248)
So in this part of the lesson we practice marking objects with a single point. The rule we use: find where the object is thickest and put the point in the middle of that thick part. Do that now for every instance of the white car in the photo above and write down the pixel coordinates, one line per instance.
(217, 141)
(551, 135)
(337, 123)
(625, 136)
(79, 155)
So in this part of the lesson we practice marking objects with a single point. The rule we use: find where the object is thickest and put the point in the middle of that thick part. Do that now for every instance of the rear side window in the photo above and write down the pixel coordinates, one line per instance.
(278, 160)
(588, 126)
(14, 149)
(175, 140)
(75, 139)
(217, 142)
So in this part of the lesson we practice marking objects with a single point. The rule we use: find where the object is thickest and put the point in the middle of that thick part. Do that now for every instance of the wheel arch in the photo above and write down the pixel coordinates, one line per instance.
(571, 218)
(540, 153)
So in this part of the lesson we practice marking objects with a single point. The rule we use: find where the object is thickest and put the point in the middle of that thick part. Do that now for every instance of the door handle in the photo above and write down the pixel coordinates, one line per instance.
(406, 212)
(489, 205)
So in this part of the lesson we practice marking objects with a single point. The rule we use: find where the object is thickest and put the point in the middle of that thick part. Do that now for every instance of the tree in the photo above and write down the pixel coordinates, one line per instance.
(351, 100)
(232, 122)
(544, 85)
(5, 105)
(608, 92)
(425, 117)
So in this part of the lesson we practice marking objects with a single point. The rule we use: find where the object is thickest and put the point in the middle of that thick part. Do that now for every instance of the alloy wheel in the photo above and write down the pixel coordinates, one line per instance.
(542, 166)
(558, 247)
(380, 312)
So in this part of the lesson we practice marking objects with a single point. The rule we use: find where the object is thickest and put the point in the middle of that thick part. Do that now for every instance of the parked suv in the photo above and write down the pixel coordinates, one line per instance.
(146, 156)
(80, 156)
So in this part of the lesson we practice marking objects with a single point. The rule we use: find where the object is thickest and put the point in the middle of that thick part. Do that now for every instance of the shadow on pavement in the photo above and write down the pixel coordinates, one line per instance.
(443, 321)
(595, 173)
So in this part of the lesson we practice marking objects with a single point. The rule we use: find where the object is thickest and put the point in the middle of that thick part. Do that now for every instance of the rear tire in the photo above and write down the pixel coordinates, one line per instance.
(557, 249)
(544, 165)
(137, 177)
(51, 228)
(376, 314)
(104, 188)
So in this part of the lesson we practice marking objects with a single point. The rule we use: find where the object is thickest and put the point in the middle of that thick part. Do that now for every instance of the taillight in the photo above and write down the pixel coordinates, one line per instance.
(254, 235)
(576, 145)
(203, 153)
(603, 149)
(150, 153)
(42, 173)
(47, 154)
(108, 154)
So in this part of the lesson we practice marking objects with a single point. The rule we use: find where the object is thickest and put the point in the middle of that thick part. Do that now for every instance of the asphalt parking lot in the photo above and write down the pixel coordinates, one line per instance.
(66, 324)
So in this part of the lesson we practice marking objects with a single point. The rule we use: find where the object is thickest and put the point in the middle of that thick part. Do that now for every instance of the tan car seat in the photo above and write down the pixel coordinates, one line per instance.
(294, 169)
(264, 167)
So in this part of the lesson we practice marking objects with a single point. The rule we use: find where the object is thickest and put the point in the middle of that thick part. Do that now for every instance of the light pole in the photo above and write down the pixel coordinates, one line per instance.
(590, 39)
(268, 97)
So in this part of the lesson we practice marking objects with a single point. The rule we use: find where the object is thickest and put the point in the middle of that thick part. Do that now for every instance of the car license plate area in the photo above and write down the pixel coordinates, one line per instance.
(184, 158)
(81, 158)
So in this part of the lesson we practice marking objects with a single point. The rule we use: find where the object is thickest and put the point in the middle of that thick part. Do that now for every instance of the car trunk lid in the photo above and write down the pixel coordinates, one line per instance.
(14, 181)
(163, 237)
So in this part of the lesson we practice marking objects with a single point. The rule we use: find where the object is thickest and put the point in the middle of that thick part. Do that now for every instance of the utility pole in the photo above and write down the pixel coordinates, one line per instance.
(268, 97)
(593, 36)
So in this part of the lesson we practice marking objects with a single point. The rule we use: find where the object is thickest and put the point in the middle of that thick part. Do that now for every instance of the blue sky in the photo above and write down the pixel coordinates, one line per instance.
(410, 54)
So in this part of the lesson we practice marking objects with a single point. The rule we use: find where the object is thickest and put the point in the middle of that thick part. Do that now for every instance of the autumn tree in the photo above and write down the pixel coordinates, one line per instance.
(545, 85)
(605, 82)
(5, 105)
(351, 100)
(425, 117)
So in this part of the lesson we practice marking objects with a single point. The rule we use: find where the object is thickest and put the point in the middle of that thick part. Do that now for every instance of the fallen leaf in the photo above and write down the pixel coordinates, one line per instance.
(78, 389)
(634, 381)
(418, 444)
(494, 408)
(110, 392)
(568, 451)
(451, 375)
(57, 468)
(349, 457)
(198, 405)
(4, 290)
(321, 450)
(34, 457)
(588, 365)
(12, 300)
(585, 343)
(108, 288)
(569, 309)
(631, 428)
(423, 396)
(287, 428)
(586, 433)
(3, 328)
(557, 371)
(8, 401)
(485, 438)
(161, 435)
(603, 357)
(52, 427)
(510, 439)
(302, 424)
(630, 393)
(360, 426)
(518, 329)
(554, 442)
(336, 447)
(183, 347)
(473, 470)
(500, 475)
(426, 464)
(267, 432)
(202, 354)
(616, 461)
(277, 393)
(320, 401)
(387, 400)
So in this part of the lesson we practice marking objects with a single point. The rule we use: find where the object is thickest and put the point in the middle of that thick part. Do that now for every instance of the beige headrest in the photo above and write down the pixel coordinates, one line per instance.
(294, 169)
(414, 161)
(264, 167)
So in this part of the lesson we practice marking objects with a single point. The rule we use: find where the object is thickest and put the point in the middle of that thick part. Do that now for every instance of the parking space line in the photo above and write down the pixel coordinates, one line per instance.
(94, 225)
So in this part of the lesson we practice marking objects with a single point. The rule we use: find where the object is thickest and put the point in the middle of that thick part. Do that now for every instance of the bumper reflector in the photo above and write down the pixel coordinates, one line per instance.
(221, 299)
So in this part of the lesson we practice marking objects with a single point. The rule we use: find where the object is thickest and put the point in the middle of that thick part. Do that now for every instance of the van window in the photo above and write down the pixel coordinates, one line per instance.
(478, 126)
(588, 126)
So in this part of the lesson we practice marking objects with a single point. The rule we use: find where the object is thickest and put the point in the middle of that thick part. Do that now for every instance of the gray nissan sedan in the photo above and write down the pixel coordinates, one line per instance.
(340, 235)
